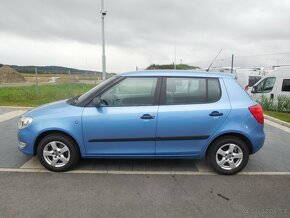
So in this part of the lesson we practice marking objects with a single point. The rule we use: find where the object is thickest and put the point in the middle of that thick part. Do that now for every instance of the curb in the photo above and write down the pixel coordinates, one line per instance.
(275, 120)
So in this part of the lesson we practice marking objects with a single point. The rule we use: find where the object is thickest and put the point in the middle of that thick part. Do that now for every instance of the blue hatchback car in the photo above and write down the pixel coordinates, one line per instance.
(149, 114)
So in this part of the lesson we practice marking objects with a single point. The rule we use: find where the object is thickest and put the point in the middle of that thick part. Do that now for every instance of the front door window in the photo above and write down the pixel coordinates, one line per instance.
(266, 85)
(131, 92)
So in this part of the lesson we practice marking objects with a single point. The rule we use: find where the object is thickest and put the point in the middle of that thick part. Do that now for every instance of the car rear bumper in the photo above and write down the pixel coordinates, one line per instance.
(257, 138)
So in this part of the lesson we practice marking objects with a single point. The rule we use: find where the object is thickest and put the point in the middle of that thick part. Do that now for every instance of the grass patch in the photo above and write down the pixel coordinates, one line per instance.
(26, 95)
(279, 115)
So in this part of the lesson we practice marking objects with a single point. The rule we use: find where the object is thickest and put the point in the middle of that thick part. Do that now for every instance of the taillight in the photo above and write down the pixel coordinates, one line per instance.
(257, 112)
(247, 87)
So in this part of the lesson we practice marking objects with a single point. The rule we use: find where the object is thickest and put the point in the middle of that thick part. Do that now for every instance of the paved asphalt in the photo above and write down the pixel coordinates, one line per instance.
(95, 195)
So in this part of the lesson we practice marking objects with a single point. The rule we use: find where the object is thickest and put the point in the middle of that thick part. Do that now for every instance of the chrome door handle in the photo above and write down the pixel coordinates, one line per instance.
(147, 117)
(216, 114)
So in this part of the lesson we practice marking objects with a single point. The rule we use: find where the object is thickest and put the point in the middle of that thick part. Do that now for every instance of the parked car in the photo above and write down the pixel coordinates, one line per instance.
(149, 114)
(274, 84)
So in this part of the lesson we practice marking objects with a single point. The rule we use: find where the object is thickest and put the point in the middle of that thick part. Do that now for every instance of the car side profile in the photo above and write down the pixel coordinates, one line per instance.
(149, 114)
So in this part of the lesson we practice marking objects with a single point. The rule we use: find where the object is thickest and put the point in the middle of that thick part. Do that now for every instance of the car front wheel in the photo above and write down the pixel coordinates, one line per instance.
(57, 152)
(228, 155)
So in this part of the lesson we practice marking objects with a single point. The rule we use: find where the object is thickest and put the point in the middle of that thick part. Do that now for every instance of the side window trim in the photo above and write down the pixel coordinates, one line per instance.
(163, 91)
(162, 100)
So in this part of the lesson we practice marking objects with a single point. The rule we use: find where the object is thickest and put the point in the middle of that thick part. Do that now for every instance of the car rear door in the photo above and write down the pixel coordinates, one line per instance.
(191, 110)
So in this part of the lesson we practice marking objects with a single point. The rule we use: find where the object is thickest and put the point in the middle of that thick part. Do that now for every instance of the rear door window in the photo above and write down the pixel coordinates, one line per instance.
(183, 90)
(214, 90)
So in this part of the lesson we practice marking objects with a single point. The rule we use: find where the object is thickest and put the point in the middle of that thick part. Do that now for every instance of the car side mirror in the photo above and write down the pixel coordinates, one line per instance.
(254, 89)
(97, 101)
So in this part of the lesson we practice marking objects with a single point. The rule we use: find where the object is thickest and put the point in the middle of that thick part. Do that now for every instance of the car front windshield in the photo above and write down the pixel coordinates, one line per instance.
(88, 93)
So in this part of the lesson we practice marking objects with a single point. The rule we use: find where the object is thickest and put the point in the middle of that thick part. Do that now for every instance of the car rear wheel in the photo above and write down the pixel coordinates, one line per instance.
(228, 155)
(57, 152)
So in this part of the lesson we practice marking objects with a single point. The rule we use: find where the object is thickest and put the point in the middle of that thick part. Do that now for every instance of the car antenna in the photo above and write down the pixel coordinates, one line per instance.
(214, 60)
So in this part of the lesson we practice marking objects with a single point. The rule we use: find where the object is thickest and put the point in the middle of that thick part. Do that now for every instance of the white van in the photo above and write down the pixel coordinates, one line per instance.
(274, 84)
(246, 77)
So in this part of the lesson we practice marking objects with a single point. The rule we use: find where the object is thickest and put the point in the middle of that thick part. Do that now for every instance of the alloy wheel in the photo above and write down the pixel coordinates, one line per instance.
(56, 154)
(229, 156)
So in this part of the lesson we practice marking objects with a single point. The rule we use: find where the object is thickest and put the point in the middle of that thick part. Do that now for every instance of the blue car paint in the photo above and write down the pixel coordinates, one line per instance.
(115, 122)
(89, 123)
(186, 120)
(58, 116)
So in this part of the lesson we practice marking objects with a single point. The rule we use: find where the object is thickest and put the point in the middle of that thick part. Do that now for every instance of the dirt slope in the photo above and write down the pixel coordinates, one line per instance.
(9, 75)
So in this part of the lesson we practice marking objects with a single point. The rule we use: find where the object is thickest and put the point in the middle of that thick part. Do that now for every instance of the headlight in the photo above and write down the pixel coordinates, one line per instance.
(24, 122)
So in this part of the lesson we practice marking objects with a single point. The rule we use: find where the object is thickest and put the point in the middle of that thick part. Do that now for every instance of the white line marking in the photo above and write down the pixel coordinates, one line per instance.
(33, 163)
(265, 173)
(11, 114)
(116, 172)
(202, 166)
(284, 128)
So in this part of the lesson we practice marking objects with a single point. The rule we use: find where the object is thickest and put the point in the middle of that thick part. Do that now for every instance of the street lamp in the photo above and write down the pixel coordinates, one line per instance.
(103, 14)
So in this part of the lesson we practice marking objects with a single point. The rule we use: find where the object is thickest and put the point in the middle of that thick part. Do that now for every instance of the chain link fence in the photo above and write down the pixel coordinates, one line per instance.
(266, 62)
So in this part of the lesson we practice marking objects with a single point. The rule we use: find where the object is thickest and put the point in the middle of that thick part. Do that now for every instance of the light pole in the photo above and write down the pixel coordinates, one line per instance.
(174, 55)
(103, 14)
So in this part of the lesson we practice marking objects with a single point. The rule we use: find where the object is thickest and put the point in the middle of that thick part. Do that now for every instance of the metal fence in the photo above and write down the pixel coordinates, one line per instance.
(265, 61)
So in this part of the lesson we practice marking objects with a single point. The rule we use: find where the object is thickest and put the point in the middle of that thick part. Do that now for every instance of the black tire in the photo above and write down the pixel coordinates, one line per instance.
(74, 154)
(216, 145)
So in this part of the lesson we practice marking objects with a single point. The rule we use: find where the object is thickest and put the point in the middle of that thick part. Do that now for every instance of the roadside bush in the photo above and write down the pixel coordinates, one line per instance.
(280, 104)
(283, 103)
(267, 103)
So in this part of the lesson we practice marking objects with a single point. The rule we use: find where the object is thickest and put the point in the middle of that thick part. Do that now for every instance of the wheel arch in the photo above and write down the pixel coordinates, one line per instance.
(48, 132)
(245, 139)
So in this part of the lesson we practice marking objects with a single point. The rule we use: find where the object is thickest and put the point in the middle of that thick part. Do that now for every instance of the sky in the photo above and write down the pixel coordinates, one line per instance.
(139, 32)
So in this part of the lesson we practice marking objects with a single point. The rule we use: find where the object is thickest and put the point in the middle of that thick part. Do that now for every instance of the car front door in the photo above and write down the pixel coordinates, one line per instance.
(125, 123)
(191, 110)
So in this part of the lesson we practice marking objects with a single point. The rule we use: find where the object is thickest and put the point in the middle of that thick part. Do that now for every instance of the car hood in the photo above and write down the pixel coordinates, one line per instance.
(51, 108)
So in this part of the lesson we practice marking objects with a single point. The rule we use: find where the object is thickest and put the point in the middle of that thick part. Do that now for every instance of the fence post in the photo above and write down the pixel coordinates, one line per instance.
(232, 65)
(36, 82)
(69, 85)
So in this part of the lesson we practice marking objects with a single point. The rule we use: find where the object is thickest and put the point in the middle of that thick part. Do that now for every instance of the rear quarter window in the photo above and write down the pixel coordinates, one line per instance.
(286, 85)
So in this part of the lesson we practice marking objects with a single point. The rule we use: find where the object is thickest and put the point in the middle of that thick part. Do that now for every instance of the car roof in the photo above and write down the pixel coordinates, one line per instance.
(176, 73)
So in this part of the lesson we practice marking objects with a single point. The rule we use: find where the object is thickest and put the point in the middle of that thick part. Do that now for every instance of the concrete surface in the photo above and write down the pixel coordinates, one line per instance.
(90, 195)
